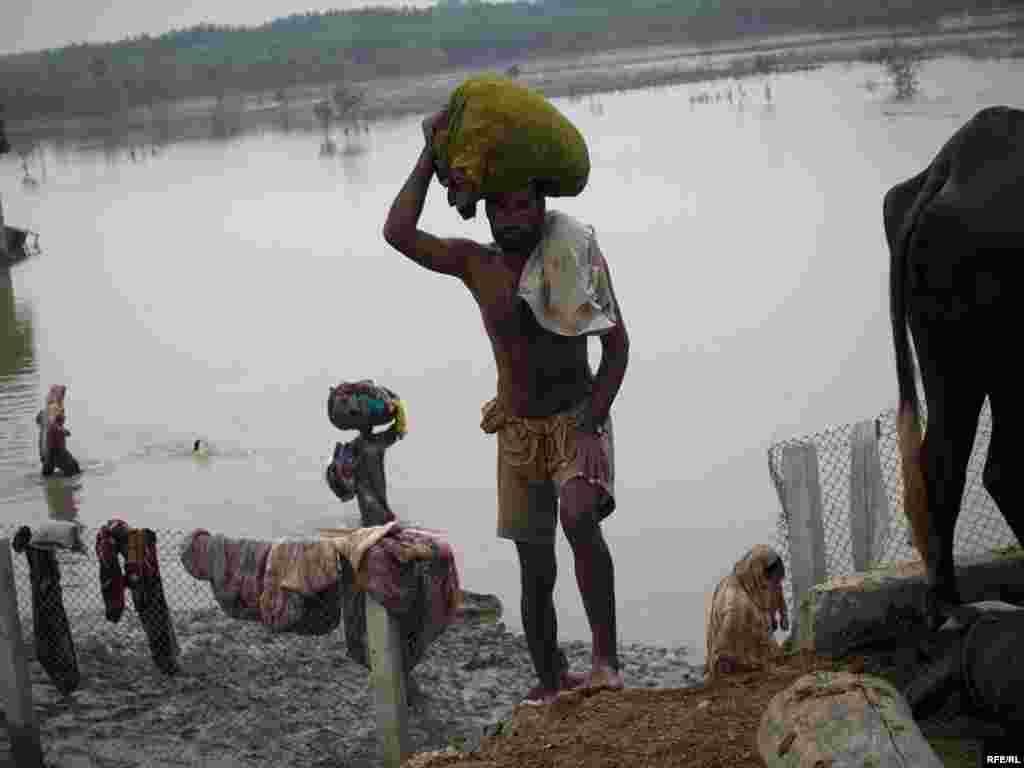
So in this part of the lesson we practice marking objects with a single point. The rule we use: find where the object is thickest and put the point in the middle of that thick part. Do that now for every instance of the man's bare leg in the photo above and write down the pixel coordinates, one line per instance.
(538, 571)
(595, 576)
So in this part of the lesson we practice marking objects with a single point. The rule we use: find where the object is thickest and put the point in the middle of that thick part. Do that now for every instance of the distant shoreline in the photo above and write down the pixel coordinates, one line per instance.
(558, 76)
(584, 75)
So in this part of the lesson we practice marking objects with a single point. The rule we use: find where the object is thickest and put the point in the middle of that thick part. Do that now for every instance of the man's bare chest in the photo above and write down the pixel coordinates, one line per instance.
(496, 290)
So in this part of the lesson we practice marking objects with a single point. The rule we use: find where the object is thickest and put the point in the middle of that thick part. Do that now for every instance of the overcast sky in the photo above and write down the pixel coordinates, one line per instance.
(31, 25)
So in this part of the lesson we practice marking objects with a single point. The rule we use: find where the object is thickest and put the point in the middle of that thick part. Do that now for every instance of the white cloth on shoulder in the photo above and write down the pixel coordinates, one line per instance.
(565, 280)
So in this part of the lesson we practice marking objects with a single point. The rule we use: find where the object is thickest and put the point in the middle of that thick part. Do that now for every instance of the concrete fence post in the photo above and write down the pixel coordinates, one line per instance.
(387, 674)
(869, 505)
(15, 683)
(806, 529)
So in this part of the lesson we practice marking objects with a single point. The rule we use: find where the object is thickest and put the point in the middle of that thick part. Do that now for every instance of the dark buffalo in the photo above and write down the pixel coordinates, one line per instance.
(956, 239)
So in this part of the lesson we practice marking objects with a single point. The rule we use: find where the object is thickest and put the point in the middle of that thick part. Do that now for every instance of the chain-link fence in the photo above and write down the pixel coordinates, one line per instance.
(980, 527)
(151, 650)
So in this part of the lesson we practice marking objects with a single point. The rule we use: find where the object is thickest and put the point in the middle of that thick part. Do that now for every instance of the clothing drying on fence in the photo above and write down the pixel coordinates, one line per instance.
(304, 586)
(239, 572)
(234, 568)
(410, 571)
(59, 534)
(739, 629)
(378, 553)
(137, 547)
(54, 646)
(301, 588)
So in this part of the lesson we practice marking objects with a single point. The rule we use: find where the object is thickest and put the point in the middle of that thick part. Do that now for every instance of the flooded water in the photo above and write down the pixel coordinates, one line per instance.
(216, 288)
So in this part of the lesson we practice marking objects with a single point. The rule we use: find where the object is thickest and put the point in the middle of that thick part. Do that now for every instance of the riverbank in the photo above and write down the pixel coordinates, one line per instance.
(563, 76)
(246, 697)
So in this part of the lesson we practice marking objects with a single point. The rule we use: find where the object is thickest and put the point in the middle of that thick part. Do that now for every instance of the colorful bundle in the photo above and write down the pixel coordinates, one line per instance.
(363, 405)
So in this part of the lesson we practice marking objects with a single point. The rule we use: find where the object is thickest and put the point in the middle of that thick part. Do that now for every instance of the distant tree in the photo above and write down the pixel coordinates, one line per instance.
(345, 46)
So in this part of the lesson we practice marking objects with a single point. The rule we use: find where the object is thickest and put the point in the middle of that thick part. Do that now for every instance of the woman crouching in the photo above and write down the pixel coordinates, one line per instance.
(747, 606)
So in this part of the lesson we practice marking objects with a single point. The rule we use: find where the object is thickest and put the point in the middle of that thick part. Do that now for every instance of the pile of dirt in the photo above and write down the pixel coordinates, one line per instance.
(710, 726)
(713, 725)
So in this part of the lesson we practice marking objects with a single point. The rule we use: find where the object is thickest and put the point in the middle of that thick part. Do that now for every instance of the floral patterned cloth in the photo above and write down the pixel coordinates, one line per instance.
(565, 280)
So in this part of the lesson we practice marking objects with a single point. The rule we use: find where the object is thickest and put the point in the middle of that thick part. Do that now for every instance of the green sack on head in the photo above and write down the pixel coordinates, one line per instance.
(501, 136)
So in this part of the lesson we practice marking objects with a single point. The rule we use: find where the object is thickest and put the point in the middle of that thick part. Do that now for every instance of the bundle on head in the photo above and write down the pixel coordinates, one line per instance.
(502, 136)
(361, 405)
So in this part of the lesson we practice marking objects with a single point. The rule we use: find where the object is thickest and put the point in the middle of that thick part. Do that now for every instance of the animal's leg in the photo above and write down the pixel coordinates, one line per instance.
(954, 399)
(947, 448)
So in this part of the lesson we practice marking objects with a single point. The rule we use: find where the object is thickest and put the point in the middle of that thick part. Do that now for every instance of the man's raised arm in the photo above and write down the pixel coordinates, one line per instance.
(401, 230)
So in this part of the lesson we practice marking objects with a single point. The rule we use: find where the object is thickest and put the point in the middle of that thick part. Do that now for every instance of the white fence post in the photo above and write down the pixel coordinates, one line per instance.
(869, 505)
(15, 684)
(806, 530)
(387, 673)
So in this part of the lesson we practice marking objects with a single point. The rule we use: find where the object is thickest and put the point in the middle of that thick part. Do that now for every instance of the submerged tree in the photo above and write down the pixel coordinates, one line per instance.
(902, 66)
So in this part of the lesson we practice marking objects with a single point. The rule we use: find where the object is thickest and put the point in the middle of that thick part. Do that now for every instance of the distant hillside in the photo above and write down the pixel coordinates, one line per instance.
(208, 61)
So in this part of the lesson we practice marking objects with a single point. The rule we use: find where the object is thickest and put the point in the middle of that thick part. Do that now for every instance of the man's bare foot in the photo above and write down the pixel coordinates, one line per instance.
(539, 696)
(604, 676)
(568, 681)
(572, 680)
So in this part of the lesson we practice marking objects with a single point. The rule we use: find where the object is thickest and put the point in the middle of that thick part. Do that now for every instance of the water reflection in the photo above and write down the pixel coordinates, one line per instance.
(17, 348)
(904, 75)
(342, 106)
(160, 123)
(62, 497)
(355, 167)
(345, 139)
(19, 379)
(339, 118)
(33, 166)
(328, 148)
(736, 94)
(901, 69)
(226, 117)
(283, 120)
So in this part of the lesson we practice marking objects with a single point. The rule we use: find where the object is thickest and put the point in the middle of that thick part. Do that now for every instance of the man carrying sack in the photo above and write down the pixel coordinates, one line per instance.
(543, 287)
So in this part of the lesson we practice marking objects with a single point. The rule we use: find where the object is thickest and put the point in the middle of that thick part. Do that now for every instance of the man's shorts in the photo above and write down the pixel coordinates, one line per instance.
(536, 457)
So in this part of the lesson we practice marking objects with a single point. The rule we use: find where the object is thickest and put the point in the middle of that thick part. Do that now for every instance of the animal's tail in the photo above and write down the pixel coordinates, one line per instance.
(901, 207)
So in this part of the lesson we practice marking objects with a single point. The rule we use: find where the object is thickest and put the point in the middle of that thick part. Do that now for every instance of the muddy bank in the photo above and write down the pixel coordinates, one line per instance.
(246, 697)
